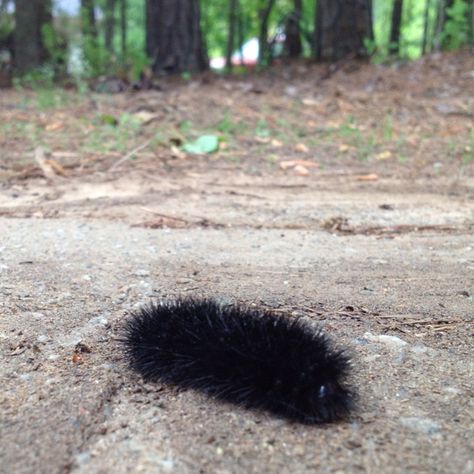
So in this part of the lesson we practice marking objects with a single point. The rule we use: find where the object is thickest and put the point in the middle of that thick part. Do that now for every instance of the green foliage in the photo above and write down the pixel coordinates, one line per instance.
(56, 45)
(203, 145)
(262, 129)
(456, 29)
(96, 60)
(112, 133)
(6, 25)
(37, 79)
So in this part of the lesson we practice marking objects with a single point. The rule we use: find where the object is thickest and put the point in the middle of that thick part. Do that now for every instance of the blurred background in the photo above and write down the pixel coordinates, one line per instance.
(56, 39)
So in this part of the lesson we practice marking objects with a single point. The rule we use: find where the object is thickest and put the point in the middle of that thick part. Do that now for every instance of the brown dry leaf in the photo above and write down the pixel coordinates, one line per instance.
(345, 106)
(309, 101)
(54, 126)
(367, 177)
(276, 143)
(46, 168)
(57, 168)
(344, 148)
(77, 359)
(284, 165)
(161, 222)
(177, 153)
(384, 155)
(145, 117)
(262, 139)
(301, 148)
(301, 170)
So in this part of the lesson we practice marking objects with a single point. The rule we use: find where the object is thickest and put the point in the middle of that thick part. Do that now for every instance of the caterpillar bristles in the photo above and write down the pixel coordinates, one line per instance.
(254, 358)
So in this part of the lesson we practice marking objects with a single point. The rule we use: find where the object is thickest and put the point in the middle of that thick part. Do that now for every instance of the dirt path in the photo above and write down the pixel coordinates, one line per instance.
(401, 265)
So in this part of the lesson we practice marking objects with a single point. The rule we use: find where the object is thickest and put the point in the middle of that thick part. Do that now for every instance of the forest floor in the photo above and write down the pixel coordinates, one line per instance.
(344, 194)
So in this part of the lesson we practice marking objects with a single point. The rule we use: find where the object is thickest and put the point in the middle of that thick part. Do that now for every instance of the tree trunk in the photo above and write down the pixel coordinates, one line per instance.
(30, 18)
(426, 27)
(318, 29)
(174, 40)
(440, 19)
(231, 33)
(109, 25)
(370, 10)
(394, 47)
(88, 21)
(123, 29)
(240, 35)
(264, 15)
(341, 26)
(293, 45)
(471, 27)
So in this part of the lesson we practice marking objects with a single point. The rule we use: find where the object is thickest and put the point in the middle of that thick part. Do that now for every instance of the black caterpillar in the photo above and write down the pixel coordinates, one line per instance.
(255, 358)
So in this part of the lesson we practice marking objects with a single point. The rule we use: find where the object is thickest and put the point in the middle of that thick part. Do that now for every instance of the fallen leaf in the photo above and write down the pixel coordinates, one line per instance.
(77, 359)
(177, 153)
(46, 168)
(52, 127)
(344, 148)
(284, 165)
(309, 101)
(145, 117)
(301, 148)
(367, 177)
(58, 169)
(384, 155)
(203, 145)
(301, 170)
(276, 143)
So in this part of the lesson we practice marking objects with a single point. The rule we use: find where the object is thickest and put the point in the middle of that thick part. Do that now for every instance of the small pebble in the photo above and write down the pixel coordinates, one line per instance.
(141, 273)
(421, 425)
(82, 458)
(391, 341)
(98, 321)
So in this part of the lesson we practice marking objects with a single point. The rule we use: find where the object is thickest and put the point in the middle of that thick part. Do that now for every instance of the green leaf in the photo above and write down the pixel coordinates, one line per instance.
(204, 144)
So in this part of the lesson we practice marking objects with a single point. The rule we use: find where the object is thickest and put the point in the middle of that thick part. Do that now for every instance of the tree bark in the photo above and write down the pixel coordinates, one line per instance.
(471, 27)
(341, 26)
(240, 35)
(318, 31)
(174, 40)
(231, 33)
(264, 15)
(426, 25)
(30, 18)
(123, 28)
(88, 21)
(440, 19)
(394, 47)
(293, 45)
(109, 25)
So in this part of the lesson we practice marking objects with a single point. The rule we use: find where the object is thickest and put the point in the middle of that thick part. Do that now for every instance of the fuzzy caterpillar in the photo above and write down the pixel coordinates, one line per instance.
(254, 358)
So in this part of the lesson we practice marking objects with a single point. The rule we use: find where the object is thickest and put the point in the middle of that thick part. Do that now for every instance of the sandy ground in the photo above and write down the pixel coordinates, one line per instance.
(389, 274)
